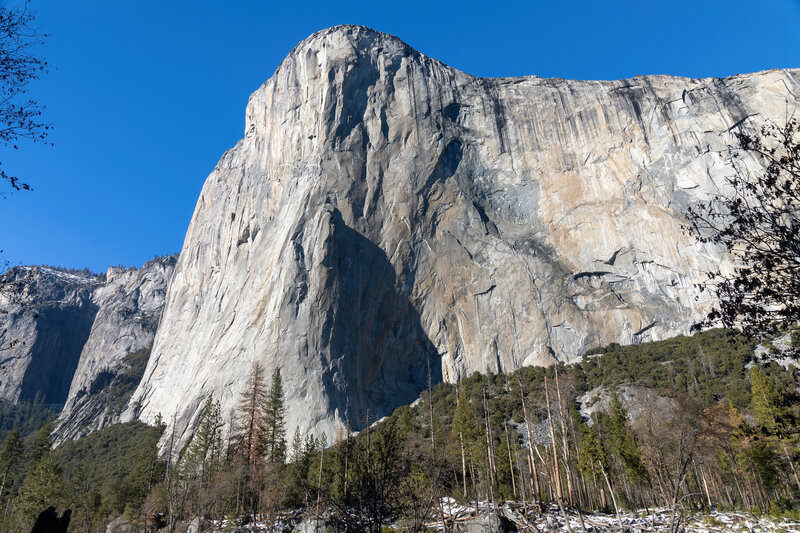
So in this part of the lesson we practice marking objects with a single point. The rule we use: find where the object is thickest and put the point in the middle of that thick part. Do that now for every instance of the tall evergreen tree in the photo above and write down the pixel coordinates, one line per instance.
(767, 404)
(624, 442)
(247, 441)
(297, 445)
(246, 434)
(203, 452)
(274, 427)
(774, 419)
(40, 444)
(10, 462)
(43, 487)
(202, 458)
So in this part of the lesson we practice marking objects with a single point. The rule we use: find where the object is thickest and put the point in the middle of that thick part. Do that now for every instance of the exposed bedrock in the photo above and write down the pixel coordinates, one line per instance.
(45, 319)
(116, 349)
(385, 213)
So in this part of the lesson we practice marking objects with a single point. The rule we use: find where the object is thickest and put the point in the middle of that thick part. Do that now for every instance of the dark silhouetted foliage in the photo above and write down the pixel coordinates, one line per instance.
(757, 221)
(20, 116)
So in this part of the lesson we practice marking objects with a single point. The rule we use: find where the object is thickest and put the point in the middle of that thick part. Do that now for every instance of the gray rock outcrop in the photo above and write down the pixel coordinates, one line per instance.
(120, 525)
(637, 401)
(45, 318)
(113, 357)
(385, 214)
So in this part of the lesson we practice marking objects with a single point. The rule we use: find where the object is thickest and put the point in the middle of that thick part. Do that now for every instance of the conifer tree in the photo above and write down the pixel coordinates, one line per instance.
(274, 425)
(767, 404)
(43, 487)
(246, 434)
(590, 454)
(772, 417)
(203, 452)
(465, 432)
(10, 459)
(41, 443)
(201, 461)
(624, 442)
(246, 440)
(297, 445)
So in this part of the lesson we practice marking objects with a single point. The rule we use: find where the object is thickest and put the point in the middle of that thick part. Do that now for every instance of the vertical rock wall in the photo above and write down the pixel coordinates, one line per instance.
(45, 319)
(113, 357)
(385, 214)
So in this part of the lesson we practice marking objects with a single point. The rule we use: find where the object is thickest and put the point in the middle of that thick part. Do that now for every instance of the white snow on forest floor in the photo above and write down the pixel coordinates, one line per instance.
(551, 520)
(653, 520)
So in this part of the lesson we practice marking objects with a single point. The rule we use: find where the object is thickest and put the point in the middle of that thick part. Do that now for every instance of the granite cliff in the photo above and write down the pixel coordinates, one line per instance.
(45, 318)
(79, 340)
(386, 217)
(111, 361)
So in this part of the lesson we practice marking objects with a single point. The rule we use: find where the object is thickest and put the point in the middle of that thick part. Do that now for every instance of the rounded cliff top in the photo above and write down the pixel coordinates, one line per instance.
(348, 41)
(351, 40)
(358, 36)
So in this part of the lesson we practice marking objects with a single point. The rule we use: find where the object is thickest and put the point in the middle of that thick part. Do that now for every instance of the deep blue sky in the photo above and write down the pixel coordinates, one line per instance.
(145, 96)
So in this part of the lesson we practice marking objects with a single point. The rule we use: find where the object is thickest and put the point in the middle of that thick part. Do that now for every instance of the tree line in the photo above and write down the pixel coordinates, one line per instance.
(713, 429)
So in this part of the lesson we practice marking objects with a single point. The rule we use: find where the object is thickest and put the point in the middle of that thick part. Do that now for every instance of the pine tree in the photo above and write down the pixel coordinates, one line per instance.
(246, 434)
(203, 451)
(10, 462)
(297, 445)
(466, 432)
(247, 441)
(590, 452)
(624, 442)
(41, 444)
(772, 417)
(43, 487)
(201, 461)
(767, 403)
(274, 426)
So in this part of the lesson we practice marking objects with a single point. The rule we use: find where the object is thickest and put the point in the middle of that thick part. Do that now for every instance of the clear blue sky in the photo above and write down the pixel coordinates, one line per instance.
(145, 96)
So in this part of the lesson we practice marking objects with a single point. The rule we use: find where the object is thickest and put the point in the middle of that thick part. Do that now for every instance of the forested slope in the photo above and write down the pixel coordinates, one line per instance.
(691, 423)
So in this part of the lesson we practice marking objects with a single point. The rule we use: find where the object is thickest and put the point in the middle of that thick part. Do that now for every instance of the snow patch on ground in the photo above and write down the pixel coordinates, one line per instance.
(653, 520)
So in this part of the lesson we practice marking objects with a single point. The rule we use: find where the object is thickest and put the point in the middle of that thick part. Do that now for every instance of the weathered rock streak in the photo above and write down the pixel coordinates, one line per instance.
(385, 212)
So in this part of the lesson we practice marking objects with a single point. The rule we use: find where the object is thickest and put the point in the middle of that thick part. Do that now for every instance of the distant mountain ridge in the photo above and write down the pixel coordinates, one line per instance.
(46, 319)
(62, 329)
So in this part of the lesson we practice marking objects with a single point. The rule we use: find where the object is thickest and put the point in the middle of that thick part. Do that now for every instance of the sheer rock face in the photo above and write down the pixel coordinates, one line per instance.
(45, 319)
(129, 308)
(385, 213)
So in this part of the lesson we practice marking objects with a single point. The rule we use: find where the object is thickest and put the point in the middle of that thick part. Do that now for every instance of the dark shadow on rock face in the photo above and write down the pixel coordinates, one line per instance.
(380, 354)
(61, 333)
(447, 164)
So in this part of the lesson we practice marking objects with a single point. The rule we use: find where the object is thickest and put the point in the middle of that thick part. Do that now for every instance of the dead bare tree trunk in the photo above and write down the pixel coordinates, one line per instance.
(521, 473)
(791, 463)
(510, 462)
(565, 443)
(611, 491)
(461, 445)
(463, 462)
(489, 443)
(319, 486)
(682, 470)
(559, 494)
(537, 494)
(559, 491)
(705, 486)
